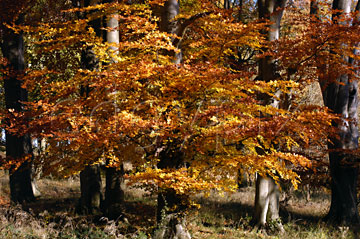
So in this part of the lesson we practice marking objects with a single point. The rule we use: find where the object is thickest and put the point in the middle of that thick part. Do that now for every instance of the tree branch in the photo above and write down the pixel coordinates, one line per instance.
(184, 23)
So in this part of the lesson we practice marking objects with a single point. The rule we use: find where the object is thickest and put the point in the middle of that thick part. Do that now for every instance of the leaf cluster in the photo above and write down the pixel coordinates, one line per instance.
(141, 106)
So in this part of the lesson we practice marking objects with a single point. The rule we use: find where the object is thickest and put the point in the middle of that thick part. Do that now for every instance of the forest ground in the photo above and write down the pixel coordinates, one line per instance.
(52, 215)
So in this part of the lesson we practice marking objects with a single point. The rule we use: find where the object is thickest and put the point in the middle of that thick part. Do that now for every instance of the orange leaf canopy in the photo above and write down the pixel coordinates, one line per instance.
(141, 105)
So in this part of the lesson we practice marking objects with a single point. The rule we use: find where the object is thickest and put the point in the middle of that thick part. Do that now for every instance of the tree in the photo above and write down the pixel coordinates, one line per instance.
(341, 95)
(325, 50)
(90, 176)
(332, 44)
(267, 191)
(18, 147)
(114, 195)
(171, 206)
(186, 127)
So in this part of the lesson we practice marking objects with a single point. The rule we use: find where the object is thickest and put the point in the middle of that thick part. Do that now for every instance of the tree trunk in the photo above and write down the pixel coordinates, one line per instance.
(34, 186)
(343, 166)
(242, 179)
(172, 207)
(17, 146)
(39, 149)
(114, 194)
(267, 191)
(90, 186)
(170, 10)
(266, 200)
(342, 97)
(343, 209)
(90, 177)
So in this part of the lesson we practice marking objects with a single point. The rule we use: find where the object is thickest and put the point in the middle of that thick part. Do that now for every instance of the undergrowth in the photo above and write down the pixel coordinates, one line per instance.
(52, 216)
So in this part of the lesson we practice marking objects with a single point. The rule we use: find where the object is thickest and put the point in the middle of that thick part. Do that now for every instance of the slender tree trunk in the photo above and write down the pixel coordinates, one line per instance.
(36, 171)
(266, 200)
(34, 186)
(227, 4)
(242, 179)
(342, 97)
(267, 191)
(170, 10)
(171, 208)
(17, 146)
(241, 10)
(314, 8)
(90, 177)
(114, 194)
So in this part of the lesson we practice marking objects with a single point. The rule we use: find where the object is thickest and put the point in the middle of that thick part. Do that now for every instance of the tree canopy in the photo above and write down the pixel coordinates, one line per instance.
(142, 105)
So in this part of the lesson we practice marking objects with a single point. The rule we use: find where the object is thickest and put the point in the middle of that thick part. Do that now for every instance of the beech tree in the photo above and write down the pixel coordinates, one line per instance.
(18, 147)
(323, 49)
(169, 208)
(335, 51)
(186, 124)
(114, 194)
(341, 95)
(90, 176)
(267, 191)
(91, 195)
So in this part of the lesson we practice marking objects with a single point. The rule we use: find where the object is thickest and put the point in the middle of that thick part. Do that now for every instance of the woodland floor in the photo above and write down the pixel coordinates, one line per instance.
(52, 215)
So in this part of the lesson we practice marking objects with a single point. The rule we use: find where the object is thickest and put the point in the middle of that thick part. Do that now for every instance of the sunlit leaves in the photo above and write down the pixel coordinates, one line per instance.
(140, 105)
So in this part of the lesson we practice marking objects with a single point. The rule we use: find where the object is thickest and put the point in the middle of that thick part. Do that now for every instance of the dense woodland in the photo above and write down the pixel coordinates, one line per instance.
(181, 99)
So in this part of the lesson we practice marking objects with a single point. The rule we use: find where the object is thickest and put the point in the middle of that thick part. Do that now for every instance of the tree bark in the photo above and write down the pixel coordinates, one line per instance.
(90, 186)
(167, 24)
(90, 178)
(267, 200)
(114, 194)
(267, 191)
(17, 147)
(171, 208)
(341, 97)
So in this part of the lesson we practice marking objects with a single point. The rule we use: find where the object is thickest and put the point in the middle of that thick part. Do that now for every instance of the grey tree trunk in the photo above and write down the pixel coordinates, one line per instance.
(266, 201)
(267, 191)
(341, 96)
(171, 222)
(17, 147)
(114, 194)
(34, 186)
(171, 208)
(37, 170)
(90, 177)
(170, 10)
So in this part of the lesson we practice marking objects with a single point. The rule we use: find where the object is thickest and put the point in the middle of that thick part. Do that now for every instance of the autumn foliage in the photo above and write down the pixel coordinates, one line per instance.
(141, 105)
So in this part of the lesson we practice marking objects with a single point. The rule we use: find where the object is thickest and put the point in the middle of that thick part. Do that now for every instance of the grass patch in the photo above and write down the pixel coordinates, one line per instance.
(228, 216)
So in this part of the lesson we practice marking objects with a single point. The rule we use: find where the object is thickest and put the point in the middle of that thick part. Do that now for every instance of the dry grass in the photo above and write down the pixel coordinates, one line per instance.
(228, 216)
